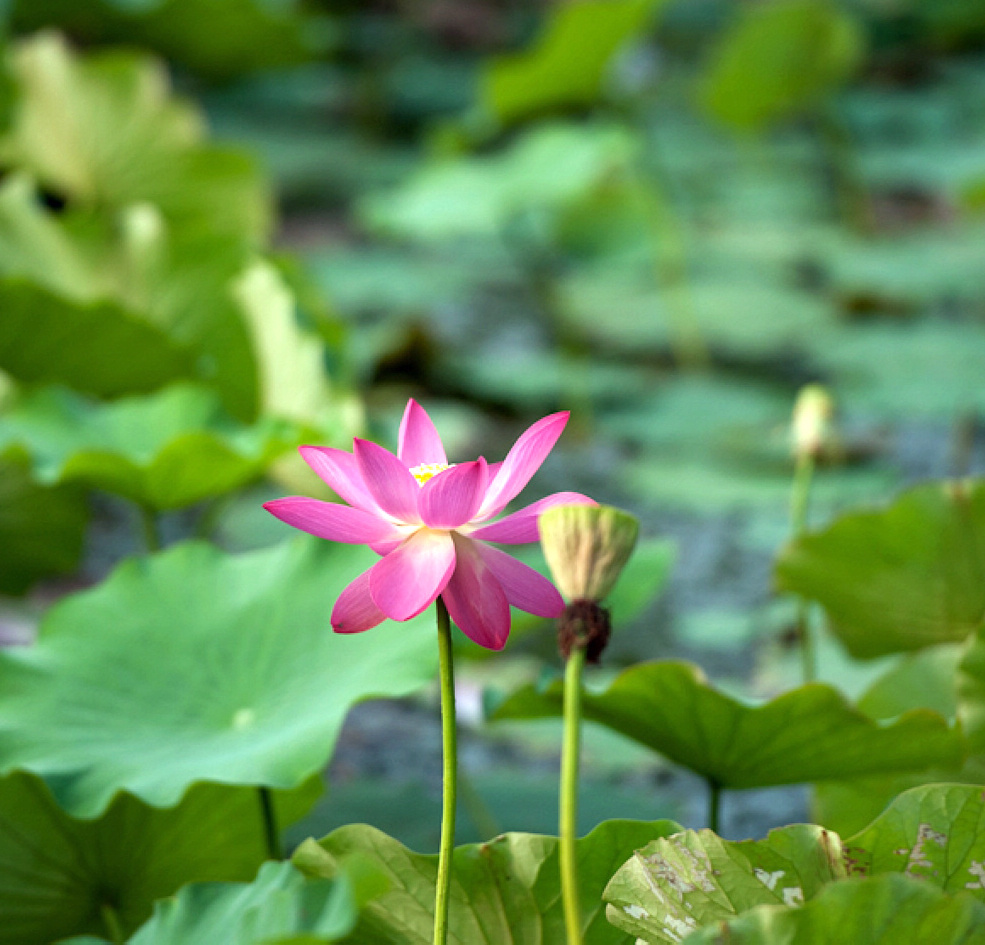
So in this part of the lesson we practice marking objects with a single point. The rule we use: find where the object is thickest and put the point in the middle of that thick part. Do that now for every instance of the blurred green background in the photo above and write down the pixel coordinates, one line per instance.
(229, 226)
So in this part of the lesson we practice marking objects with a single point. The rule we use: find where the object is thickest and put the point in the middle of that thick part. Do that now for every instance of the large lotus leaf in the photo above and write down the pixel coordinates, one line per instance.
(926, 679)
(120, 306)
(63, 876)
(902, 578)
(566, 66)
(780, 59)
(104, 130)
(164, 451)
(885, 910)
(218, 39)
(197, 665)
(546, 169)
(505, 891)
(279, 906)
(98, 347)
(935, 833)
(809, 734)
(41, 527)
(674, 885)
(291, 361)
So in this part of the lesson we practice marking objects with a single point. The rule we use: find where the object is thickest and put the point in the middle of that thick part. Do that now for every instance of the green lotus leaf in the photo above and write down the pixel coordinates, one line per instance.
(885, 910)
(935, 833)
(902, 578)
(808, 734)
(195, 665)
(104, 129)
(626, 310)
(504, 891)
(217, 39)
(547, 169)
(279, 906)
(567, 65)
(780, 59)
(916, 680)
(163, 451)
(675, 885)
(120, 306)
(68, 877)
(45, 338)
(41, 527)
(971, 691)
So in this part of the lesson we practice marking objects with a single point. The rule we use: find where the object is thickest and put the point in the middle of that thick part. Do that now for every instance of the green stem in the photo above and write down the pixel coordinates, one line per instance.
(269, 816)
(714, 805)
(449, 775)
(569, 793)
(802, 478)
(111, 919)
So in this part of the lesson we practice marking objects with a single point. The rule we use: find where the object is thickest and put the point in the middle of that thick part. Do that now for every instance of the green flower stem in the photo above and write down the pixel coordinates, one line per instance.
(714, 805)
(449, 775)
(569, 793)
(151, 529)
(111, 920)
(271, 833)
(802, 478)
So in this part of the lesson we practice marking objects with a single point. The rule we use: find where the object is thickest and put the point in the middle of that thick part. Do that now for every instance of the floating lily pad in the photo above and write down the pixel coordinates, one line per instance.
(504, 891)
(547, 169)
(908, 576)
(885, 910)
(673, 886)
(566, 66)
(631, 312)
(163, 451)
(906, 372)
(224, 668)
(41, 527)
(808, 734)
(61, 876)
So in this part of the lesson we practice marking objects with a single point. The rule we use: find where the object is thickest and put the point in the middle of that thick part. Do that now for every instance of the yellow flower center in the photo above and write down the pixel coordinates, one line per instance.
(425, 471)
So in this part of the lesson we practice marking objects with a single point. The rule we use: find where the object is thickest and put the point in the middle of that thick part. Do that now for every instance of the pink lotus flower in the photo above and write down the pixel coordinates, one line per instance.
(428, 520)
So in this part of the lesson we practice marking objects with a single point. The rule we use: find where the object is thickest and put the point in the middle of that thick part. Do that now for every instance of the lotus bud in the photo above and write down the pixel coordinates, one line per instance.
(586, 547)
(813, 427)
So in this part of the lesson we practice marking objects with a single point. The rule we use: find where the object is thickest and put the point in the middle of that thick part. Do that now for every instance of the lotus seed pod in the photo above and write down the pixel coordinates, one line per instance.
(813, 415)
(586, 547)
